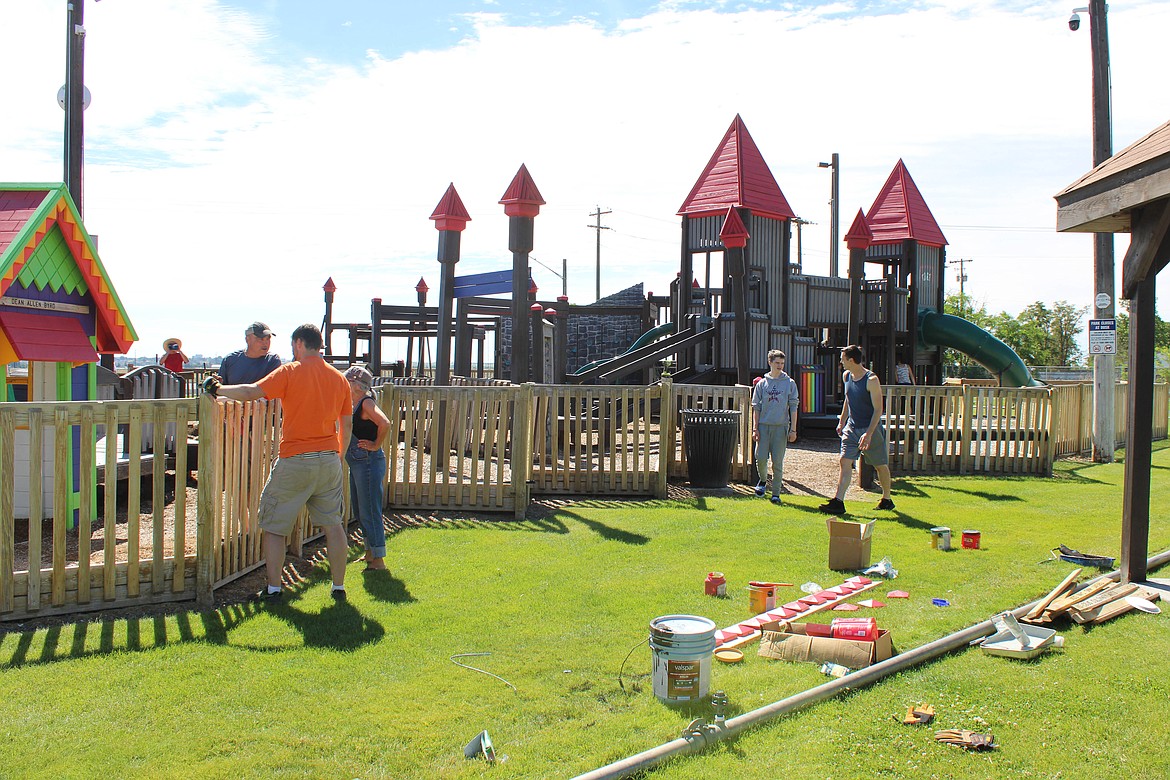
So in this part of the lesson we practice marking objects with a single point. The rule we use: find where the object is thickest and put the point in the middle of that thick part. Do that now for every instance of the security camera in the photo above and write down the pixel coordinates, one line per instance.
(1074, 22)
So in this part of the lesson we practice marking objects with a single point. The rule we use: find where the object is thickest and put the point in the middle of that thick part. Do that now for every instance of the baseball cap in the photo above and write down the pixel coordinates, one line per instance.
(259, 329)
(360, 375)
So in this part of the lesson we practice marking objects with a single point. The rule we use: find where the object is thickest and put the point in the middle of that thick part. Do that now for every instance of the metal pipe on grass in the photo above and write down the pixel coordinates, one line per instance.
(700, 738)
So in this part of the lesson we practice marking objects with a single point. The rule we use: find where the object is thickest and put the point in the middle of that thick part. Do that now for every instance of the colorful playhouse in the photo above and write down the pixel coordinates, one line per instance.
(58, 313)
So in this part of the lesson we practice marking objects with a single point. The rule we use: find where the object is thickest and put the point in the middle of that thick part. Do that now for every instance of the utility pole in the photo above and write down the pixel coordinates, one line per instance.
(799, 252)
(961, 277)
(834, 226)
(599, 227)
(1104, 375)
(75, 102)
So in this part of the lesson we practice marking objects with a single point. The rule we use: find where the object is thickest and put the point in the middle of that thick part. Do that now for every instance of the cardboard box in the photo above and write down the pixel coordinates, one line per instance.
(786, 641)
(849, 544)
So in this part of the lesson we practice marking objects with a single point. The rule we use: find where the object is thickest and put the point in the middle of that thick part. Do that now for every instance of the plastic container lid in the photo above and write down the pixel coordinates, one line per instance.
(732, 656)
(682, 624)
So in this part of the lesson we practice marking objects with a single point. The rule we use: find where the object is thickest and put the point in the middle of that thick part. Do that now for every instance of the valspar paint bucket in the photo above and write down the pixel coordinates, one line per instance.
(682, 646)
(761, 596)
(940, 537)
(970, 540)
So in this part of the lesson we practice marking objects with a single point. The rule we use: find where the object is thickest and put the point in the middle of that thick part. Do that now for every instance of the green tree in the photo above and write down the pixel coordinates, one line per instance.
(1161, 342)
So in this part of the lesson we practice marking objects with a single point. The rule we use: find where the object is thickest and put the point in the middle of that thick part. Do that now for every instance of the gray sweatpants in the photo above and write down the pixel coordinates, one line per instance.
(773, 442)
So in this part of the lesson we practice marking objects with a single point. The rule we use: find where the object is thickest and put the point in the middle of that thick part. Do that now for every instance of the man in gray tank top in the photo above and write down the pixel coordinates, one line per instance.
(860, 429)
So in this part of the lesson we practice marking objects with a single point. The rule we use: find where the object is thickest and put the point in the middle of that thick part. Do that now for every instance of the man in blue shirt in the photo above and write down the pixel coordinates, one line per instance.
(251, 364)
(860, 429)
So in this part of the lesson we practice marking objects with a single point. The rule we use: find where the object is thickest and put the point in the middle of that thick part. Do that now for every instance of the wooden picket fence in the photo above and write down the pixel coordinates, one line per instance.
(71, 571)
(474, 448)
(972, 429)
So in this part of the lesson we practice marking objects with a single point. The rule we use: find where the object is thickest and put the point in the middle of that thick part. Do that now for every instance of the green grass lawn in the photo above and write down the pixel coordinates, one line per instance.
(311, 688)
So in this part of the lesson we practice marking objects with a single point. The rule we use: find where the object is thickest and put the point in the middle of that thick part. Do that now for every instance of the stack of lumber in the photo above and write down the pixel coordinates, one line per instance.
(1088, 603)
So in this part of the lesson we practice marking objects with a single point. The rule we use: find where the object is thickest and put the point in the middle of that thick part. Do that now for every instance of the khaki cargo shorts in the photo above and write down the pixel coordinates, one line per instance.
(310, 480)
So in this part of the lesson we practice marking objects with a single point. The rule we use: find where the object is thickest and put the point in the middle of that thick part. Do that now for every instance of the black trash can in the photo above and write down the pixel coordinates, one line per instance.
(711, 436)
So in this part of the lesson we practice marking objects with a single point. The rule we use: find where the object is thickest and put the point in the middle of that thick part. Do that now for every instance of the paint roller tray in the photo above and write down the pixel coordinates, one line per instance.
(1005, 643)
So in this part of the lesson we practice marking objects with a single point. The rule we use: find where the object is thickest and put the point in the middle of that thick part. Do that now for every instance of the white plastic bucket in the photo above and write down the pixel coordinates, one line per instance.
(682, 646)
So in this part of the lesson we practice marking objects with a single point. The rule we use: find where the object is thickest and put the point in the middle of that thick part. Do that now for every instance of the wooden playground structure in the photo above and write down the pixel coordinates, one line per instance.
(737, 225)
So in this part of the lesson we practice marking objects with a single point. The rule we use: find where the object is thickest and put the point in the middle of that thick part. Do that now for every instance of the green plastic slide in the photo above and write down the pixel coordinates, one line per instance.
(947, 330)
(650, 336)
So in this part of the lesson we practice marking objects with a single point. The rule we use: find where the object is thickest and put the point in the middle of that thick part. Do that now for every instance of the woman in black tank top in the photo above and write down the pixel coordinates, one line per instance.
(367, 465)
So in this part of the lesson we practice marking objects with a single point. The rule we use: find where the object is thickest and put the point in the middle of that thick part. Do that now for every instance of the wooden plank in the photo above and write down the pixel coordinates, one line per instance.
(1082, 610)
(85, 507)
(7, 507)
(1086, 591)
(181, 471)
(61, 514)
(110, 508)
(1151, 232)
(1119, 606)
(158, 492)
(36, 432)
(1065, 584)
(134, 497)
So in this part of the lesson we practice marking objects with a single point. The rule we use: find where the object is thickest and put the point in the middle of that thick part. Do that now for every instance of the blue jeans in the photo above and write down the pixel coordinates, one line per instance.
(367, 474)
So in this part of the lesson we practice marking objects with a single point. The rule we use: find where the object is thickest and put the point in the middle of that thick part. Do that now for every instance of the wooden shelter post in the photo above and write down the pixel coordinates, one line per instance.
(1135, 527)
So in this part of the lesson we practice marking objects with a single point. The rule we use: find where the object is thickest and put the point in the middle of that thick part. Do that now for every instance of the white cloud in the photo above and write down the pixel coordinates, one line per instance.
(227, 184)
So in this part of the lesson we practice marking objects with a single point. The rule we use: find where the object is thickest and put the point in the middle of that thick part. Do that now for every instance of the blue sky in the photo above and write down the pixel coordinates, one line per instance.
(240, 153)
(345, 30)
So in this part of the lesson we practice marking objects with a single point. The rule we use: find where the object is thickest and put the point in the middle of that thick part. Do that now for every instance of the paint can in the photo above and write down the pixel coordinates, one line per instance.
(863, 628)
(761, 596)
(970, 540)
(715, 584)
(682, 647)
(940, 537)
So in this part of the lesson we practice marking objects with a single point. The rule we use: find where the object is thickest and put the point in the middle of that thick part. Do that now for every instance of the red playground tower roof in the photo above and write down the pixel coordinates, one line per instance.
(737, 177)
(899, 212)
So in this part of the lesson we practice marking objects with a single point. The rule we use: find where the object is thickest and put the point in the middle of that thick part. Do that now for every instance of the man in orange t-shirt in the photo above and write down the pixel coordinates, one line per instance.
(317, 418)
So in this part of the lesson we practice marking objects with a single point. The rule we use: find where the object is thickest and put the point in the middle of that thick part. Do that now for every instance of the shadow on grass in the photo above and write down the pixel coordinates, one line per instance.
(985, 495)
(338, 626)
(399, 523)
(385, 587)
(607, 531)
(866, 514)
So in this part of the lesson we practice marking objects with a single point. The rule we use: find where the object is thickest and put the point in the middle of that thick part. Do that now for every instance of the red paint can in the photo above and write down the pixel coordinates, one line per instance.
(715, 584)
(971, 540)
(864, 629)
